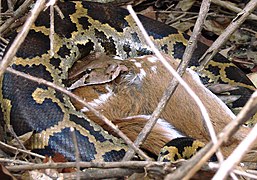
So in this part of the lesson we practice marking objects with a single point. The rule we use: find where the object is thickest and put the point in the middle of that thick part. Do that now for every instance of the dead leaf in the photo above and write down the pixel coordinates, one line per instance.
(183, 26)
(185, 5)
(149, 12)
(23, 139)
(35, 175)
(57, 158)
(253, 78)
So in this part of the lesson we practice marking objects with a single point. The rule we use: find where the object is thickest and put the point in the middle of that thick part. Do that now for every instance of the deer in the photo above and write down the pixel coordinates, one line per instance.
(128, 91)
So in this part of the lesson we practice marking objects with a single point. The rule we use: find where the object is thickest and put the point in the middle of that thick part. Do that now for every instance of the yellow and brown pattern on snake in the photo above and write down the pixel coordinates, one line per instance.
(28, 106)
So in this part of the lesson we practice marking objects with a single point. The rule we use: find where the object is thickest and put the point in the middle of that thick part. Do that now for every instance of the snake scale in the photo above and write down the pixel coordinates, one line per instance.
(86, 28)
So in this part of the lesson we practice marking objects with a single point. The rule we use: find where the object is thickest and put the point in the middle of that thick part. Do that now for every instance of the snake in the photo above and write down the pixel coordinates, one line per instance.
(82, 31)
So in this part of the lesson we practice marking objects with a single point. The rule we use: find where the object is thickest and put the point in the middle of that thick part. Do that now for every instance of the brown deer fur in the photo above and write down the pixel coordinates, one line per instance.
(138, 91)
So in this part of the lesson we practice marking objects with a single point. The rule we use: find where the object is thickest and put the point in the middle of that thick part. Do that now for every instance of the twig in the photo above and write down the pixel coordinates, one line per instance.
(236, 155)
(21, 10)
(74, 139)
(235, 171)
(21, 36)
(149, 125)
(4, 40)
(236, 22)
(102, 173)
(10, 4)
(194, 164)
(242, 173)
(80, 100)
(51, 35)
(10, 128)
(5, 160)
(20, 150)
(127, 164)
(191, 46)
(231, 7)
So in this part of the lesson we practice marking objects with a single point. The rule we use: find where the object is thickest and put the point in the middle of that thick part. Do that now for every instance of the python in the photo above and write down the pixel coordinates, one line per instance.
(83, 32)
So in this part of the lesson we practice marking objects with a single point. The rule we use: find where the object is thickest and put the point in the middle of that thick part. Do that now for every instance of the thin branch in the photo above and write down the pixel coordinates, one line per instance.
(74, 139)
(195, 163)
(39, 5)
(10, 128)
(236, 155)
(245, 174)
(192, 43)
(102, 173)
(232, 7)
(147, 128)
(80, 100)
(3, 145)
(237, 171)
(236, 22)
(5, 160)
(21, 10)
(127, 164)
(51, 35)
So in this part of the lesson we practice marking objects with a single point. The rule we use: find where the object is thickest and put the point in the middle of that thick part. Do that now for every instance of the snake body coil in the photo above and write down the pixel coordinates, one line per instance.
(86, 28)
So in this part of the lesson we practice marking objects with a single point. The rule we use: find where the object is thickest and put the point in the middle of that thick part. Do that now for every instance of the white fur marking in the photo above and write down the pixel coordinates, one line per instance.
(117, 58)
(152, 59)
(142, 74)
(171, 131)
(101, 100)
(154, 69)
(133, 60)
(138, 64)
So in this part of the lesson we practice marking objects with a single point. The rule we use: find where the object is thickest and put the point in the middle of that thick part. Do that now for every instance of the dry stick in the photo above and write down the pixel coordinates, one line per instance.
(236, 155)
(4, 40)
(80, 100)
(51, 35)
(188, 169)
(149, 125)
(74, 139)
(235, 171)
(103, 165)
(39, 5)
(242, 173)
(10, 128)
(192, 43)
(5, 160)
(251, 172)
(51, 4)
(10, 4)
(232, 7)
(21, 10)
(3, 145)
(0, 14)
(233, 176)
(102, 173)
(236, 22)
